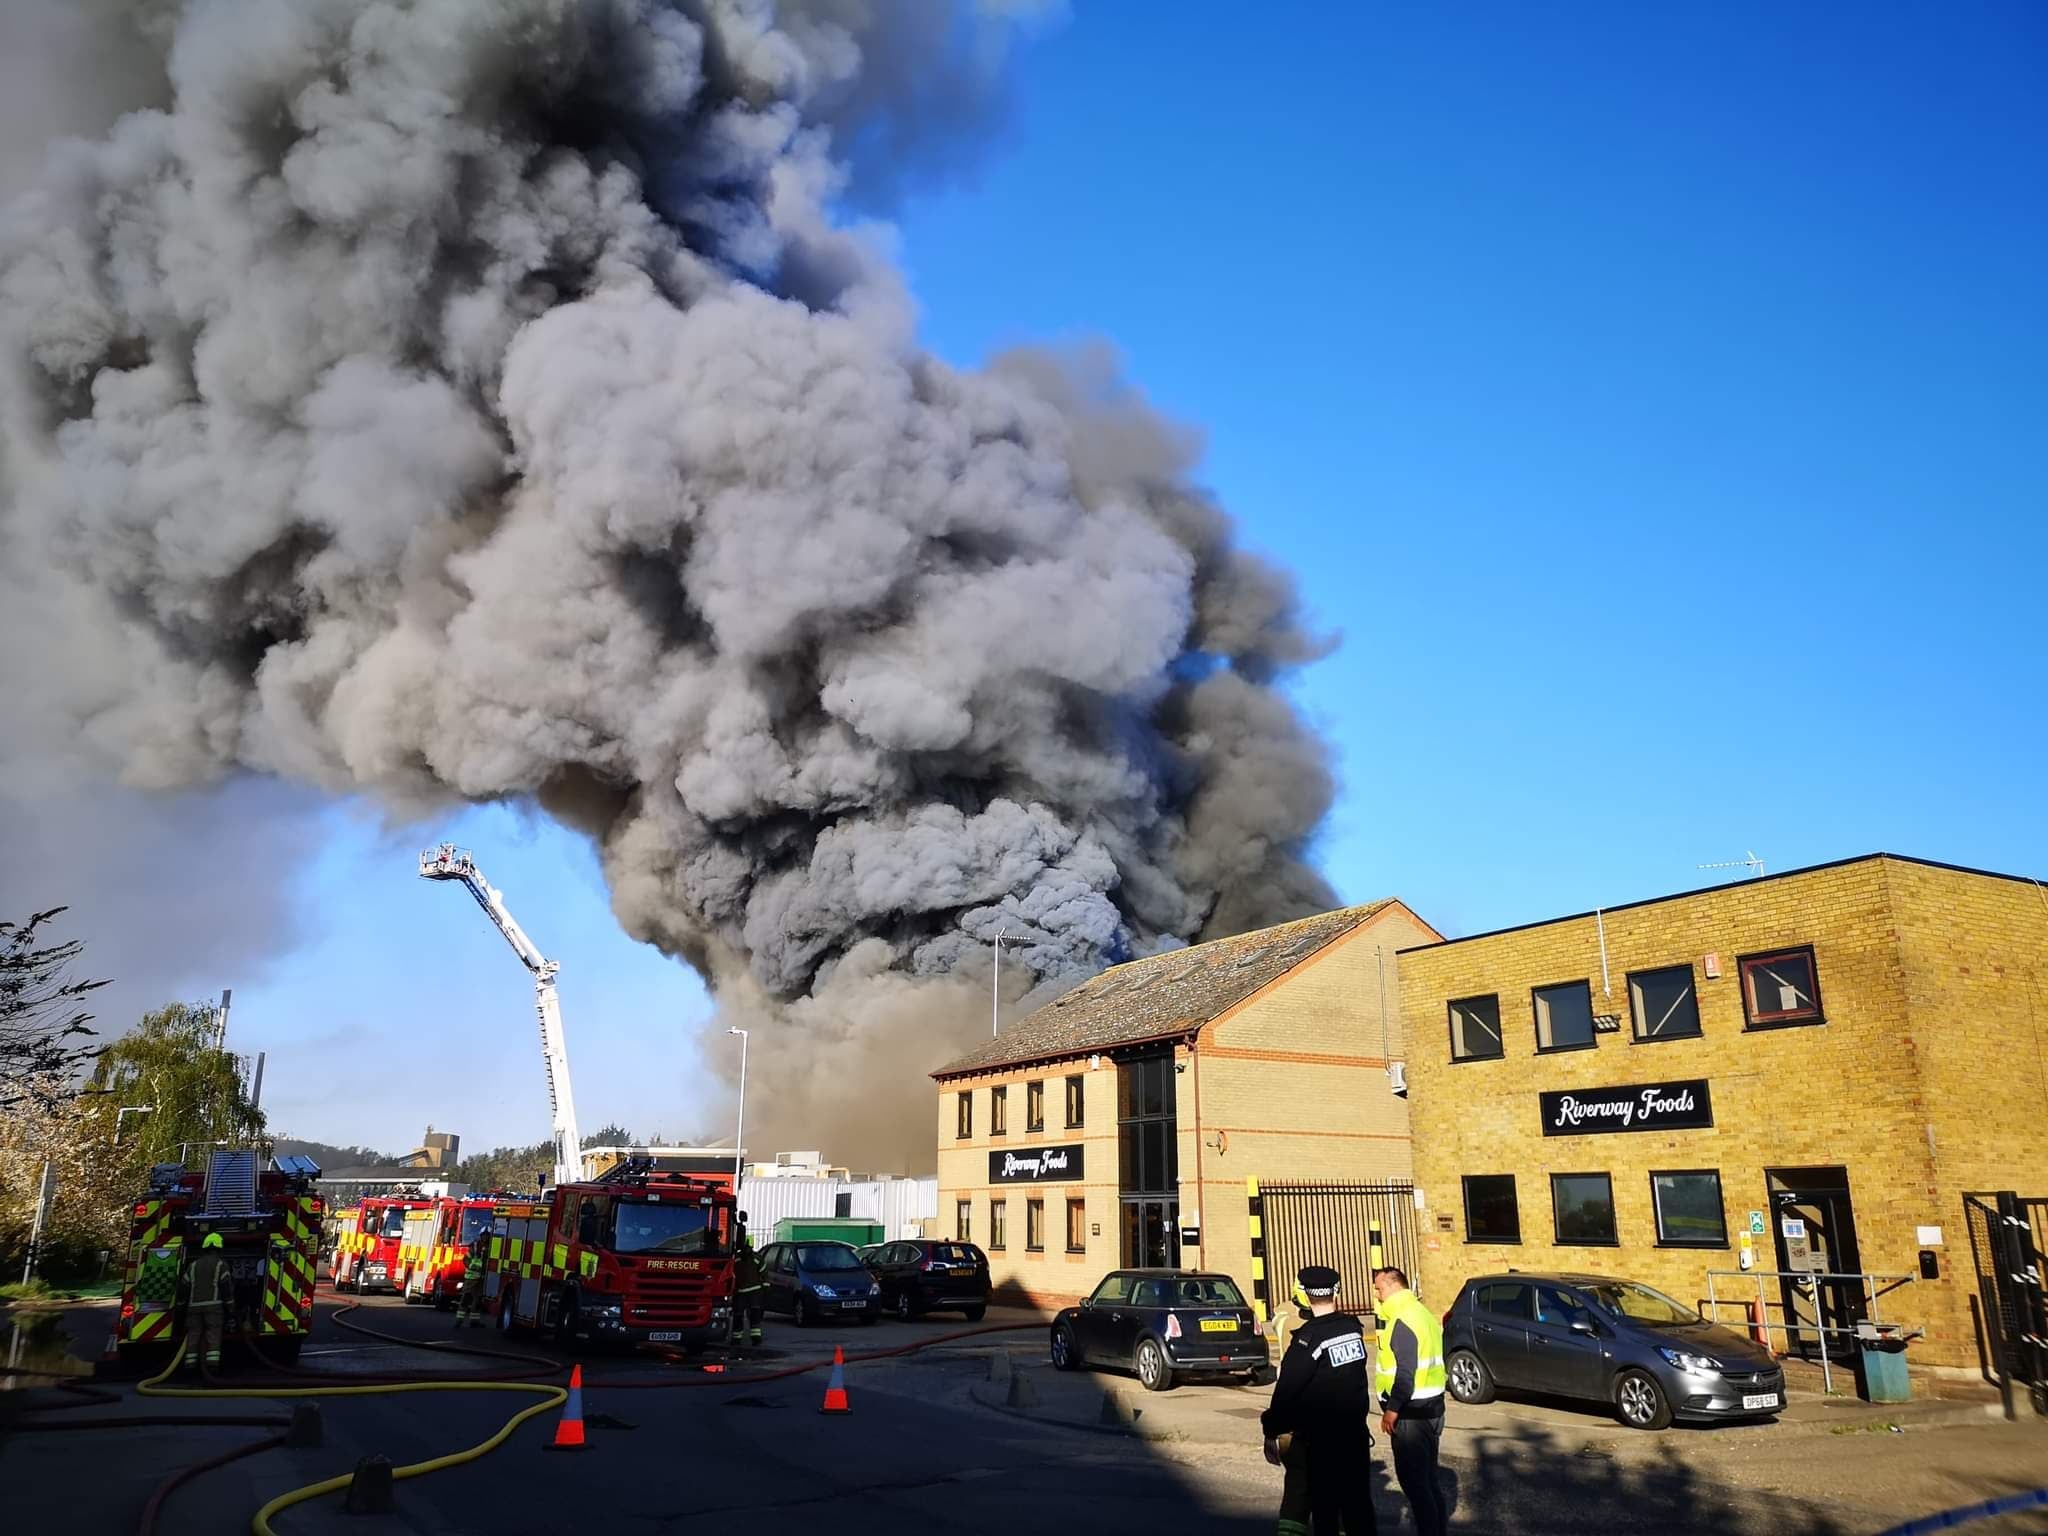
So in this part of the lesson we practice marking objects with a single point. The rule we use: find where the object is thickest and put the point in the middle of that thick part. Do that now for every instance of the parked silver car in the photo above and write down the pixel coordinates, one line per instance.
(1618, 1342)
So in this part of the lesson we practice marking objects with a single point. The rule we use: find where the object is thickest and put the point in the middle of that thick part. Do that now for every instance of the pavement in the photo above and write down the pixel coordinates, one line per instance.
(935, 1439)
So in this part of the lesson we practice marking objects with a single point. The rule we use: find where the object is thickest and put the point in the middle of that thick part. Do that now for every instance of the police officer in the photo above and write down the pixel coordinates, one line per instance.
(1323, 1402)
(750, 1285)
(206, 1286)
(469, 1301)
(1411, 1387)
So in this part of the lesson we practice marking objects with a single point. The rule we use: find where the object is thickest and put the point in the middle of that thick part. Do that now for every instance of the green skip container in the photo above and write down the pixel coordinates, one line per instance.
(825, 1229)
(1883, 1357)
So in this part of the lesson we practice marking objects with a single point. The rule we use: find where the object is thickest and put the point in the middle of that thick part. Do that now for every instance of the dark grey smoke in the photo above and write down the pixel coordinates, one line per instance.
(461, 399)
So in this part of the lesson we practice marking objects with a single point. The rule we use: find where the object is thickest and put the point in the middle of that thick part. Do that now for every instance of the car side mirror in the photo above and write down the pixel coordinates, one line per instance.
(1087, 1302)
(1584, 1325)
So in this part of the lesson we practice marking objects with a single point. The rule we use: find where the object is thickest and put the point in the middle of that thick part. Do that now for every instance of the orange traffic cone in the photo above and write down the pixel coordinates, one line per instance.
(835, 1389)
(1758, 1333)
(569, 1433)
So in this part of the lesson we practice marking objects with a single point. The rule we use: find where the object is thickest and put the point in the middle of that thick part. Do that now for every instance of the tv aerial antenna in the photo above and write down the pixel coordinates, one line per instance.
(1748, 861)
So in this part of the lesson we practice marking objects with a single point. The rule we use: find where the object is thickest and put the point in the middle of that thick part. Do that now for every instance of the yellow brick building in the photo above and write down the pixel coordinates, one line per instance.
(1831, 1056)
(1118, 1124)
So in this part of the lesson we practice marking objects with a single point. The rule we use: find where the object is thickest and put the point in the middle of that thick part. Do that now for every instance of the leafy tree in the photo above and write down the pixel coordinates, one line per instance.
(515, 1168)
(329, 1156)
(44, 1033)
(170, 1062)
(614, 1135)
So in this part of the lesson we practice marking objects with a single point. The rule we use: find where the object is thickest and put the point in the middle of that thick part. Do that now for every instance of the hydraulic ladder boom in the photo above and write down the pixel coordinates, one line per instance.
(448, 862)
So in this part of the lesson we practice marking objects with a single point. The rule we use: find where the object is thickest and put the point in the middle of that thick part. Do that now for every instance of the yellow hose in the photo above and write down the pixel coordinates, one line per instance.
(551, 1397)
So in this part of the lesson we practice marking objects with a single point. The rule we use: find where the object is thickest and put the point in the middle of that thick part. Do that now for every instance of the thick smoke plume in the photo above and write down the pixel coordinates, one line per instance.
(464, 399)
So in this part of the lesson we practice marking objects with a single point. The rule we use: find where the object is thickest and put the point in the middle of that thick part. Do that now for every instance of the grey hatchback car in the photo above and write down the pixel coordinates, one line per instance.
(1618, 1342)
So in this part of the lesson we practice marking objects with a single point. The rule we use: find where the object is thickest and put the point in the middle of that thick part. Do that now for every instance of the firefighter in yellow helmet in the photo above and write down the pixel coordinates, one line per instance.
(205, 1286)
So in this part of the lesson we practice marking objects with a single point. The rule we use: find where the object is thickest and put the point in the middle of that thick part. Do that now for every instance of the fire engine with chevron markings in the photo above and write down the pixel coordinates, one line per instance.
(632, 1256)
(268, 1220)
(367, 1258)
(435, 1245)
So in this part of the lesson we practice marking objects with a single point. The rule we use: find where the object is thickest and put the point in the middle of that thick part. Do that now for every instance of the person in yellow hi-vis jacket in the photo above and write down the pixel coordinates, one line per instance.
(1410, 1380)
(469, 1301)
(205, 1287)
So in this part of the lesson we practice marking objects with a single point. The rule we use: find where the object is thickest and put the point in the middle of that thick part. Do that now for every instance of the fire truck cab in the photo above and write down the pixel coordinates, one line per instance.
(632, 1257)
(269, 1226)
(368, 1258)
(436, 1244)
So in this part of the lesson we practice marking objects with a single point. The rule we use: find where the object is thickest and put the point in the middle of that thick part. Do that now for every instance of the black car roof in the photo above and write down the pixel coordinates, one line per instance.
(1171, 1274)
(1554, 1276)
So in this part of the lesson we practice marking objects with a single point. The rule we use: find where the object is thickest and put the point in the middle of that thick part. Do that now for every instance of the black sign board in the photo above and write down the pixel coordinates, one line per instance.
(1036, 1165)
(1679, 1106)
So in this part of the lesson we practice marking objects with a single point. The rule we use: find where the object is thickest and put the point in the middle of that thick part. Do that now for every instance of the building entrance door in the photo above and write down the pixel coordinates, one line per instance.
(1151, 1234)
(1814, 1227)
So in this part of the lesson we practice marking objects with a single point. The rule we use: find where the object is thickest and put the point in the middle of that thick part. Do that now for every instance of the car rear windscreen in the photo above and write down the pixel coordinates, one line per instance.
(954, 1253)
(1206, 1291)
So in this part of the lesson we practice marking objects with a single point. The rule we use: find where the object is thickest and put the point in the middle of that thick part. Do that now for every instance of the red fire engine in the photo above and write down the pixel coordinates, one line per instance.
(633, 1256)
(436, 1243)
(269, 1224)
(366, 1259)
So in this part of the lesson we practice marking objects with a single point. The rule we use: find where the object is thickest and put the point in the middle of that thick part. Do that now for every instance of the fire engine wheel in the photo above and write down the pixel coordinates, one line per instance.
(505, 1316)
(286, 1351)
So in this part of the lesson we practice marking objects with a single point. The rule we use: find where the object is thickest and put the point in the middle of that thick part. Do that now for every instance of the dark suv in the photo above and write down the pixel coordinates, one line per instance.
(929, 1275)
(1611, 1341)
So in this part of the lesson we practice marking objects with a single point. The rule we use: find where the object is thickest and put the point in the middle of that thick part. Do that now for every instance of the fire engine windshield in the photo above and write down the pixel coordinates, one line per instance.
(642, 1228)
(474, 1220)
(394, 1222)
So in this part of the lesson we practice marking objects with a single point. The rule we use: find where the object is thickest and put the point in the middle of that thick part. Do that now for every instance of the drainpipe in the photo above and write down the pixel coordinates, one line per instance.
(1201, 1199)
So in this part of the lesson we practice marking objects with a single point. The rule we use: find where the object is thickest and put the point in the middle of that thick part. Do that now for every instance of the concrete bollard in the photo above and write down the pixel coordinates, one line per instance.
(1114, 1412)
(369, 1491)
(1022, 1393)
(999, 1366)
(306, 1428)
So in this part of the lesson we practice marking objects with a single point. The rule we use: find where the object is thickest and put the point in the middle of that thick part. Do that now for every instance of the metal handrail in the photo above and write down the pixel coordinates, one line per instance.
(1869, 1281)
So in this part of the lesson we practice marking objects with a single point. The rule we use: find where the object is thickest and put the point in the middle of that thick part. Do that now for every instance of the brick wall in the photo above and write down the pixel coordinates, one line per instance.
(1053, 1277)
(1295, 1081)
(1930, 985)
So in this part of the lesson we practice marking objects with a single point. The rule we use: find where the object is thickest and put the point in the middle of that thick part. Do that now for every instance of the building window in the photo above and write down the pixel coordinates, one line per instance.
(1665, 1004)
(1689, 1211)
(1475, 1029)
(1077, 1226)
(1034, 1106)
(1564, 1016)
(1147, 1143)
(1491, 1214)
(1075, 1097)
(963, 1221)
(999, 1111)
(1780, 989)
(998, 1224)
(1034, 1225)
(963, 1115)
(1583, 1207)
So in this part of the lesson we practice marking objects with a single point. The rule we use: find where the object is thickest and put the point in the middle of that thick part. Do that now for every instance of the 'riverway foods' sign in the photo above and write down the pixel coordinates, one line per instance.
(1036, 1165)
(1681, 1106)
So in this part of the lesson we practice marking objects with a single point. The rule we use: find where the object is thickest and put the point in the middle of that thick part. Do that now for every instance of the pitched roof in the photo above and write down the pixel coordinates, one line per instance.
(1162, 996)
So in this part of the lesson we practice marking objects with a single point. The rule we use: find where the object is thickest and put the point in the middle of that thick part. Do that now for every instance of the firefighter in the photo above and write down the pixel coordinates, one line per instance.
(750, 1285)
(1320, 1406)
(206, 1286)
(469, 1301)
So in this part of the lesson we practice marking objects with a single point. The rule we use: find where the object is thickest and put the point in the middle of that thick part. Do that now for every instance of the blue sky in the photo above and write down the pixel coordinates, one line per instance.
(1652, 398)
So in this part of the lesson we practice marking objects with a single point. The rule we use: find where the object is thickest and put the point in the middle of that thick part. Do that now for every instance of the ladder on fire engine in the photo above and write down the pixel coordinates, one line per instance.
(231, 1183)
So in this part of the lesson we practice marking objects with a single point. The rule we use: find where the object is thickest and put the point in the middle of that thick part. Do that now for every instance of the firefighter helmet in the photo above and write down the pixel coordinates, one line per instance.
(212, 1240)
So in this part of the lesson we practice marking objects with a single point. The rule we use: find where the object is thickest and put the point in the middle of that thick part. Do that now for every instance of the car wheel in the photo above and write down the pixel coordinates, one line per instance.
(1066, 1354)
(905, 1311)
(976, 1314)
(804, 1316)
(1154, 1374)
(1469, 1379)
(1641, 1402)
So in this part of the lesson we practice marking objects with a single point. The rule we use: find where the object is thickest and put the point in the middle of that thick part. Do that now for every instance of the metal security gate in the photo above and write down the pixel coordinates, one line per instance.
(2008, 1240)
(1353, 1228)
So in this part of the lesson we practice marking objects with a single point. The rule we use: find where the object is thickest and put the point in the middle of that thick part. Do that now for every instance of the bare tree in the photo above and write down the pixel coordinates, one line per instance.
(44, 1032)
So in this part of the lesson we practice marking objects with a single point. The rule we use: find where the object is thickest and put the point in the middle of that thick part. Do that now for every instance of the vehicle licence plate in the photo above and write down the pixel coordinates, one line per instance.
(1761, 1400)
(853, 1306)
(667, 1336)
(1218, 1325)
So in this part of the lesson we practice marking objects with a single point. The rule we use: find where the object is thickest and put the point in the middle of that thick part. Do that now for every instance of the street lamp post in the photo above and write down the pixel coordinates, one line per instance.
(739, 1134)
(995, 987)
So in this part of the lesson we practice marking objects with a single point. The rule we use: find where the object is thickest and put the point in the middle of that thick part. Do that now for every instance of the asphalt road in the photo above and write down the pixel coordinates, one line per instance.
(670, 1446)
(675, 1448)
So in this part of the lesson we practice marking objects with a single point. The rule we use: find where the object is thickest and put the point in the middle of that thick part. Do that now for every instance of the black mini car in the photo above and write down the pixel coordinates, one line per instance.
(1163, 1324)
